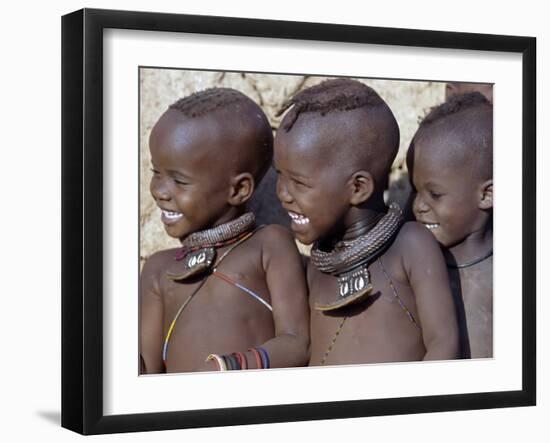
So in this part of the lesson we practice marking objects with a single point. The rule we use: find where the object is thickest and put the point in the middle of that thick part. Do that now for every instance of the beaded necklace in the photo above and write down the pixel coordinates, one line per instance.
(475, 261)
(349, 260)
(198, 250)
(219, 233)
(186, 302)
(397, 298)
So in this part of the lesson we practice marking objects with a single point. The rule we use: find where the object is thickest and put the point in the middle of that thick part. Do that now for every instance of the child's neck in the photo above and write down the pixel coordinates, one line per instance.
(361, 220)
(362, 226)
(233, 213)
(475, 246)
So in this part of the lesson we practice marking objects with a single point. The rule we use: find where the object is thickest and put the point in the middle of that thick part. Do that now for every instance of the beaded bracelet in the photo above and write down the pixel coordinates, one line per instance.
(227, 362)
(230, 362)
(238, 361)
(258, 357)
(242, 359)
(265, 357)
(222, 366)
(233, 362)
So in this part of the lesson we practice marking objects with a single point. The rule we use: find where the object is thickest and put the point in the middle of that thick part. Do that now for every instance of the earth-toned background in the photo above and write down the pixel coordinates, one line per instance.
(409, 101)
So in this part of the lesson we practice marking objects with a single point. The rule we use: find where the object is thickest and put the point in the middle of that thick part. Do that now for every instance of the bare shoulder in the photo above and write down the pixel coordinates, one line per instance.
(278, 247)
(275, 237)
(416, 246)
(157, 262)
(421, 255)
(414, 238)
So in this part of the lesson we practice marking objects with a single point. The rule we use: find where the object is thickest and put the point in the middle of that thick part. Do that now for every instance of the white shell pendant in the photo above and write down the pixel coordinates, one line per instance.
(353, 287)
(353, 282)
(195, 263)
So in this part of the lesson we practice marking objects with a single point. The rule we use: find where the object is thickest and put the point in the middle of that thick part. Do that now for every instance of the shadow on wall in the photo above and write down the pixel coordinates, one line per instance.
(266, 205)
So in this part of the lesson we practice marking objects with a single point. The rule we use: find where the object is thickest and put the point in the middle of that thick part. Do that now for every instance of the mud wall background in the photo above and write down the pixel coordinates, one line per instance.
(409, 101)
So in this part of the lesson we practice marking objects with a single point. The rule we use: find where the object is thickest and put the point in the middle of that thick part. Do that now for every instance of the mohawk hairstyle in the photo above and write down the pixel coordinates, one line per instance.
(331, 95)
(203, 102)
(454, 105)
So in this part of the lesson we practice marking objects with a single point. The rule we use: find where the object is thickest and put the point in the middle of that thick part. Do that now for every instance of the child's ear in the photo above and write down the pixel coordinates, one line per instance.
(242, 187)
(362, 187)
(486, 195)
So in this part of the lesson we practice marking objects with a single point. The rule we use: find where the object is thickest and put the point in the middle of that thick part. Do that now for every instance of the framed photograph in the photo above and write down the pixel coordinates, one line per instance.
(121, 71)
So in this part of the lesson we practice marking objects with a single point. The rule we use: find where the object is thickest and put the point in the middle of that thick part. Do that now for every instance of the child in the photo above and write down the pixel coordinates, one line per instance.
(450, 161)
(371, 298)
(234, 296)
(456, 88)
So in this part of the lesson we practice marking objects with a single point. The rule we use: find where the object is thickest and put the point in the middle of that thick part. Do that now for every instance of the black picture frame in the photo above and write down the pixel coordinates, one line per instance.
(82, 220)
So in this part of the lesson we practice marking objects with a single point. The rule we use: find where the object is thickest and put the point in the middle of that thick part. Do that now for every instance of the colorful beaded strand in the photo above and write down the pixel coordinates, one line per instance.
(173, 324)
(219, 361)
(258, 357)
(329, 349)
(244, 362)
(396, 295)
(265, 357)
(184, 305)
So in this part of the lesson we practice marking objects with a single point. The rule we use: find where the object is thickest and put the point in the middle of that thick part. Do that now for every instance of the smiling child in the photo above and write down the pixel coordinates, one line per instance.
(233, 296)
(450, 161)
(371, 298)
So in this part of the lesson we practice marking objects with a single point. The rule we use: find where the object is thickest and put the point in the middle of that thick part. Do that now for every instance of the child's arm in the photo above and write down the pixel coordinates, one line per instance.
(151, 313)
(286, 281)
(430, 284)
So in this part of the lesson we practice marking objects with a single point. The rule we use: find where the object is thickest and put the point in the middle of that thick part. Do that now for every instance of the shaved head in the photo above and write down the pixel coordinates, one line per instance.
(350, 124)
(460, 132)
(233, 121)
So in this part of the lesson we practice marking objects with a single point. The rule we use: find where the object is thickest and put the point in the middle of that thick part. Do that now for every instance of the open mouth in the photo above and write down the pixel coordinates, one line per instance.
(431, 226)
(298, 219)
(170, 216)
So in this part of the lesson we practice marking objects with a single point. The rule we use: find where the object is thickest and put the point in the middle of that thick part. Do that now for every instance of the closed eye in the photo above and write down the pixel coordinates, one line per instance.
(299, 183)
(435, 195)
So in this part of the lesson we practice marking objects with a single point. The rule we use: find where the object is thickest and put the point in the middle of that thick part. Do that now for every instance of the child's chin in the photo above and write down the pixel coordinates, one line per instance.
(306, 242)
(445, 244)
(174, 233)
(304, 238)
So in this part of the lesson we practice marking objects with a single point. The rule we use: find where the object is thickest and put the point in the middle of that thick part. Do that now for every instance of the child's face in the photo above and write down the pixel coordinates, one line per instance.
(310, 185)
(189, 185)
(447, 194)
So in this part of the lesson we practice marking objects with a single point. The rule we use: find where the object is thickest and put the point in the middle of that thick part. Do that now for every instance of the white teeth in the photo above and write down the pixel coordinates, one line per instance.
(298, 219)
(171, 215)
(431, 225)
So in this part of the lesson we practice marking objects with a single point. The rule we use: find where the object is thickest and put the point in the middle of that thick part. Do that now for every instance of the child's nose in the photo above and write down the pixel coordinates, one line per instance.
(419, 206)
(282, 191)
(159, 190)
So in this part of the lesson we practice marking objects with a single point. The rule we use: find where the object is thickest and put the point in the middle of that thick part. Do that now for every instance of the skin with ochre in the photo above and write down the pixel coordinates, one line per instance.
(202, 179)
(454, 199)
(331, 182)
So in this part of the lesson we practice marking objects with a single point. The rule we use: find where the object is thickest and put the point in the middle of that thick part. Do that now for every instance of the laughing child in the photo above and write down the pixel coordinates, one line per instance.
(378, 288)
(234, 296)
(450, 161)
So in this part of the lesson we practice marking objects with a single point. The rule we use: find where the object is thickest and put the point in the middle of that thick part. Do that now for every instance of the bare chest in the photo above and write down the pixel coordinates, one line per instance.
(224, 312)
(380, 328)
(472, 289)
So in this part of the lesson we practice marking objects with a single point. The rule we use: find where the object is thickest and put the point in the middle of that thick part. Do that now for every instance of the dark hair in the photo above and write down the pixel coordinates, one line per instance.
(203, 102)
(468, 116)
(375, 152)
(454, 105)
(330, 95)
(208, 100)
